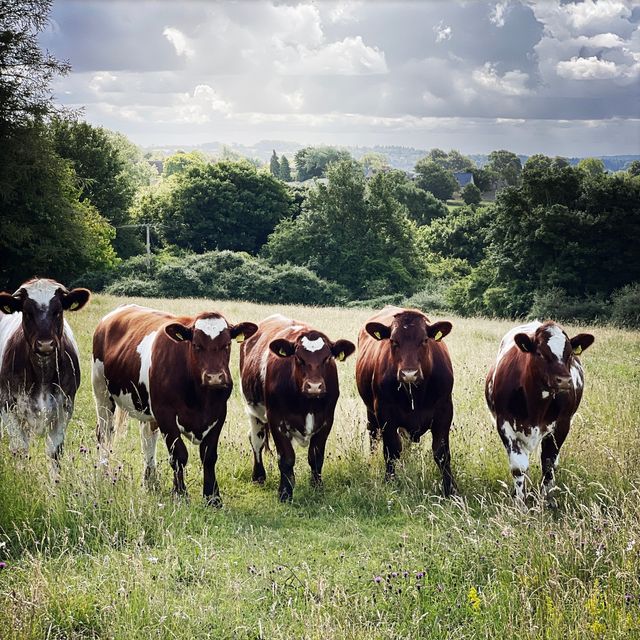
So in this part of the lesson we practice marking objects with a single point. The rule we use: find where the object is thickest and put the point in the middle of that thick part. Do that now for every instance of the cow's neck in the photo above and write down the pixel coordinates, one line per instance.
(538, 398)
(45, 371)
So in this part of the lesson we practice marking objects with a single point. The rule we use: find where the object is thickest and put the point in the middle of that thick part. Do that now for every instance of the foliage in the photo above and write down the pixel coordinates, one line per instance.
(353, 233)
(435, 179)
(453, 161)
(485, 179)
(274, 165)
(374, 162)
(506, 166)
(633, 169)
(422, 206)
(556, 304)
(313, 162)
(26, 72)
(471, 194)
(226, 205)
(591, 166)
(625, 309)
(285, 169)
(181, 161)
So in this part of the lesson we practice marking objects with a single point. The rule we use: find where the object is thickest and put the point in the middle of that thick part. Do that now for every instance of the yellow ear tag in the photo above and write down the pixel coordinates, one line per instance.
(179, 336)
(74, 306)
(377, 335)
(282, 352)
(340, 356)
(578, 350)
(438, 336)
(240, 337)
(7, 308)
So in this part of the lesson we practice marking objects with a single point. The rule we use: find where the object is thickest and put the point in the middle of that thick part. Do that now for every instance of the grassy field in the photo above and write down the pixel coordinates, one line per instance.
(99, 557)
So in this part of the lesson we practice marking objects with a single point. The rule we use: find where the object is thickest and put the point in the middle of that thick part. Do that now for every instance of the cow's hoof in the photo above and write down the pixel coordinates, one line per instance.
(259, 479)
(213, 501)
(316, 482)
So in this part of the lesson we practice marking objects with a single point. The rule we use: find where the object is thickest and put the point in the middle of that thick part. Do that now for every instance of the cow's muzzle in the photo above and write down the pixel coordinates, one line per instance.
(410, 376)
(45, 348)
(562, 383)
(218, 380)
(314, 389)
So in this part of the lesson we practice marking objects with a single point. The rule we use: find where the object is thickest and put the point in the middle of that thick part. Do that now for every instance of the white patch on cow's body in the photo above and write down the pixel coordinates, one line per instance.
(192, 436)
(508, 342)
(264, 362)
(308, 424)
(122, 309)
(296, 327)
(125, 401)
(213, 327)
(42, 292)
(312, 345)
(545, 395)
(557, 341)
(9, 324)
(577, 375)
(149, 440)
(102, 399)
(145, 349)
(257, 411)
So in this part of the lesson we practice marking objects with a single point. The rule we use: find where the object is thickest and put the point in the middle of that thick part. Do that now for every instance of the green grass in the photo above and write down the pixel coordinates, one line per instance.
(97, 556)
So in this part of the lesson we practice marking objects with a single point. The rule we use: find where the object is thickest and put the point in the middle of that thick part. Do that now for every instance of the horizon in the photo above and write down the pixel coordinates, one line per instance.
(531, 77)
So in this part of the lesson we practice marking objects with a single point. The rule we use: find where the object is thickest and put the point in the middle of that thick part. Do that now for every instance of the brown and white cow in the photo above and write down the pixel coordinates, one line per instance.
(533, 391)
(405, 378)
(290, 387)
(172, 374)
(39, 369)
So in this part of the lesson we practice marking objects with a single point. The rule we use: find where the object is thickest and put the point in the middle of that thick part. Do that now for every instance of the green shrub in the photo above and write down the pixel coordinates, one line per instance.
(429, 299)
(555, 304)
(625, 310)
(131, 286)
(376, 303)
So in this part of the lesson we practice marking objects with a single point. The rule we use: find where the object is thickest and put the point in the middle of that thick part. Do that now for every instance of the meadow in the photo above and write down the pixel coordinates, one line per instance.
(98, 556)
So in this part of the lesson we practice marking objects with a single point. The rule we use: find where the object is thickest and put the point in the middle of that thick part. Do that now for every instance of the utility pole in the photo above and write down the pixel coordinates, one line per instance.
(148, 227)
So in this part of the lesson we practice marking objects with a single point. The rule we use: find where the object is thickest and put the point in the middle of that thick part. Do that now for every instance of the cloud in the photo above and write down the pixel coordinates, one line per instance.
(498, 14)
(179, 42)
(511, 83)
(587, 69)
(199, 106)
(443, 33)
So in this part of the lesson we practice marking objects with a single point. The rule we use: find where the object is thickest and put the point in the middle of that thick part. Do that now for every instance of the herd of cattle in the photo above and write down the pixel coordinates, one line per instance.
(172, 374)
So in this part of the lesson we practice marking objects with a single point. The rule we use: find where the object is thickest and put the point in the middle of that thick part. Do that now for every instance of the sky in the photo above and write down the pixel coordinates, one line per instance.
(561, 78)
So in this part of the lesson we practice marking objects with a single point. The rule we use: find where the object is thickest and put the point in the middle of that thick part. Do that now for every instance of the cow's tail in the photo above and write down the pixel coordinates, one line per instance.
(120, 421)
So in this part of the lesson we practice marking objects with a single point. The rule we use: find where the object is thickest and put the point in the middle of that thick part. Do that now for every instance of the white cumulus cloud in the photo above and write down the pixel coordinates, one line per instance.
(590, 68)
(179, 41)
(443, 32)
(511, 83)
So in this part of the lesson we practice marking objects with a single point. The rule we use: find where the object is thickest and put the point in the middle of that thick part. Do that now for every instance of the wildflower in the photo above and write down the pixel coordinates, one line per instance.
(378, 579)
(153, 559)
(83, 449)
(3, 565)
(474, 599)
(394, 574)
(420, 575)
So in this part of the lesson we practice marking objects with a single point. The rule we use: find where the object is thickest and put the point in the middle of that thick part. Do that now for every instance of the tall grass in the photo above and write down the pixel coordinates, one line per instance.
(97, 556)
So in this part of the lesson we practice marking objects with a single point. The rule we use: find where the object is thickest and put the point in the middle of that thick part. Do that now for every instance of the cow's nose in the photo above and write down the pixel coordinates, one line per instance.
(409, 376)
(217, 380)
(45, 347)
(314, 388)
(563, 383)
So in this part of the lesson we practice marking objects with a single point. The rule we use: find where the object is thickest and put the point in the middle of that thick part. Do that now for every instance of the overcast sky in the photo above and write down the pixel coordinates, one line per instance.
(532, 77)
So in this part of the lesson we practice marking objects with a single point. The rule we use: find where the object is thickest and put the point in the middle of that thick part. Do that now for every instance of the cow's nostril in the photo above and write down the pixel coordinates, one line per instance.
(44, 346)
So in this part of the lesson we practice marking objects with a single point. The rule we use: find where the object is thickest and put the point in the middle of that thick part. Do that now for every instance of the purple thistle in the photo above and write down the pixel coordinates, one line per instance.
(378, 579)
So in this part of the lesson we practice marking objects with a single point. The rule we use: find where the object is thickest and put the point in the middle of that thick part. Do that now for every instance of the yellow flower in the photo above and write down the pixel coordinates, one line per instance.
(474, 599)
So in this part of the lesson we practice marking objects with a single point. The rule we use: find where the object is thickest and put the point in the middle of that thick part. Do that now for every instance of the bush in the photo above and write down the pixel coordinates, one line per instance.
(430, 299)
(625, 310)
(135, 287)
(471, 194)
(376, 303)
(555, 304)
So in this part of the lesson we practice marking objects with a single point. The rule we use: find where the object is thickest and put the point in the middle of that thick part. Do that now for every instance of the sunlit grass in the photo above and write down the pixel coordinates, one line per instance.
(97, 556)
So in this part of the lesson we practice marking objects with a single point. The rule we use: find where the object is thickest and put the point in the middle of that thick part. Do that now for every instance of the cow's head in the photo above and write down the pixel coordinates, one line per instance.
(410, 336)
(552, 353)
(209, 342)
(42, 303)
(313, 356)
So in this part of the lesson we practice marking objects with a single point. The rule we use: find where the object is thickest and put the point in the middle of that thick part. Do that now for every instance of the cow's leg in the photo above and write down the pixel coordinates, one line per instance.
(105, 407)
(286, 462)
(316, 456)
(440, 429)
(373, 429)
(18, 435)
(54, 442)
(257, 438)
(209, 457)
(178, 456)
(518, 460)
(549, 452)
(391, 447)
(149, 433)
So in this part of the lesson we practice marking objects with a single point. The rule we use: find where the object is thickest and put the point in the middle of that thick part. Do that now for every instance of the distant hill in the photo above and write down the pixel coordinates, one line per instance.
(404, 158)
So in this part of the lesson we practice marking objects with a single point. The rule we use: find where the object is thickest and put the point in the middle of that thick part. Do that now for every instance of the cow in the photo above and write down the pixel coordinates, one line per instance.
(533, 390)
(39, 364)
(405, 378)
(290, 387)
(172, 374)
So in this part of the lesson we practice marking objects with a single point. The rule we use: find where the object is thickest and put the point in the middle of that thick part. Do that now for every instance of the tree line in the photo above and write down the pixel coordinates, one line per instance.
(558, 240)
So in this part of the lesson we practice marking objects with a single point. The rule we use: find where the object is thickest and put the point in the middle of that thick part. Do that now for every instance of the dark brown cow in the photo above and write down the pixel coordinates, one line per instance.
(39, 370)
(172, 374)
(405, 378)
(290, 386)
(533, 390)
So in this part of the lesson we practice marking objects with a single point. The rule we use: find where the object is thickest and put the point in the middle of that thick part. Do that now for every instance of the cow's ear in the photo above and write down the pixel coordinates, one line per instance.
(283, 348)
(342, 349)
(9, 303)
(524, 343)
(581, 342)
(75, 299)
(439, 330)
(243, 330)
(178, 332)
(378, 330)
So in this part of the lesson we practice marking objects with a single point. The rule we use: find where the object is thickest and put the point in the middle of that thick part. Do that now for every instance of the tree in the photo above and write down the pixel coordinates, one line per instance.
(352, 232)
(25, 71)
(484, 179)
(433, 178)
(181, 162)
(422, 206)
(634, 168)
(374, 162)
(274, 165)
(550, 181)
(312, 162)
(506, 166)
(591, 166)
(285, 169)
(226, 205)
(471, 194)
(453, 161)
